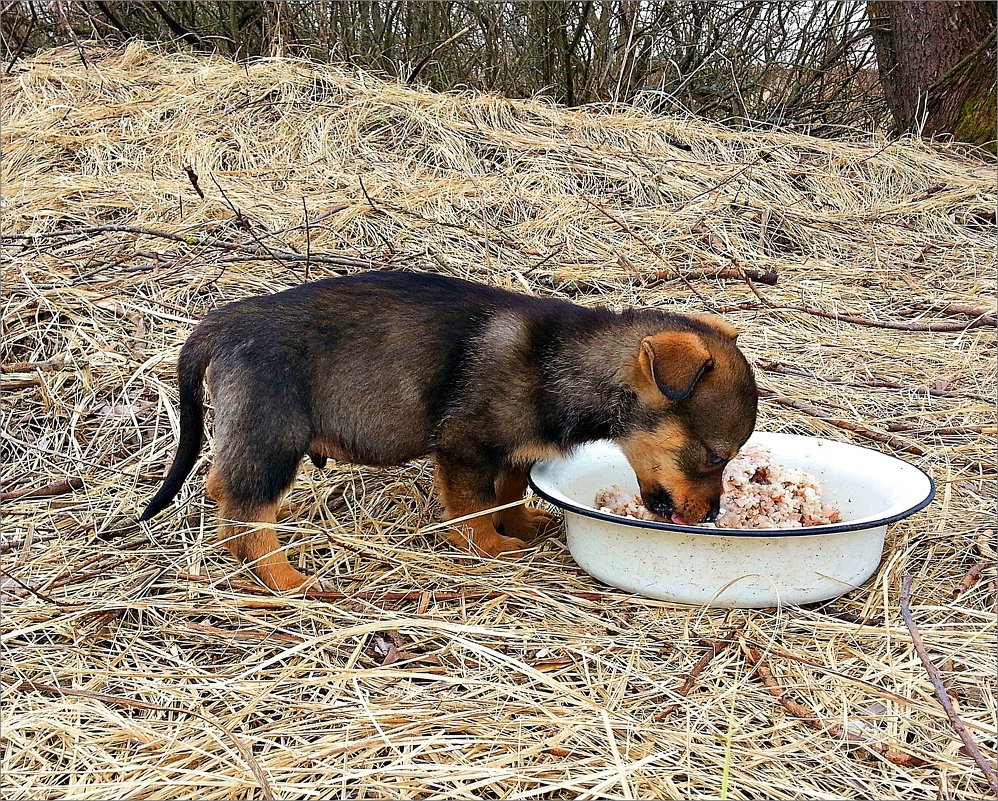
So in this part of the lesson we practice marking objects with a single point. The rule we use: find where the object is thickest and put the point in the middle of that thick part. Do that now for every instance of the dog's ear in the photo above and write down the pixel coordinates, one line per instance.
(674, 361)
(719, 324)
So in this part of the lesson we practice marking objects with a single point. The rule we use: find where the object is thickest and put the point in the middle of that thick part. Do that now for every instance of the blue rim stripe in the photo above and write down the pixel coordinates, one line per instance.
(809, 531)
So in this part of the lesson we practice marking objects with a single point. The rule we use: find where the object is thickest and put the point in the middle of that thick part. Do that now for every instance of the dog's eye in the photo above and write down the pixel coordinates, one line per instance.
(713, 460)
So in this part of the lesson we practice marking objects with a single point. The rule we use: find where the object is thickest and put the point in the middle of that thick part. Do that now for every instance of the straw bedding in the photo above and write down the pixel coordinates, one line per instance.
(141, 662)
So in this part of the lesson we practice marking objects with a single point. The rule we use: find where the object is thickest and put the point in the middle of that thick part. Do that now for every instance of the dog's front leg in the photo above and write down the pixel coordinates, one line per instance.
(466, 486)
(523, 522)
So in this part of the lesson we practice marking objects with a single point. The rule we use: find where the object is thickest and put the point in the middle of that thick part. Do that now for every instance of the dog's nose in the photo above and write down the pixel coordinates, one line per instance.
(659, 502)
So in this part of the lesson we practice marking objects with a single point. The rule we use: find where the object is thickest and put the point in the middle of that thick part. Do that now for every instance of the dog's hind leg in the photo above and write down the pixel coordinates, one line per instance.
(523, 522)
(464, 490)
(255, 543)
(261, 435)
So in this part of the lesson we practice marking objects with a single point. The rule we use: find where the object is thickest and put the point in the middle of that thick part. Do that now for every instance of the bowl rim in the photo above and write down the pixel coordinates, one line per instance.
(805, 531)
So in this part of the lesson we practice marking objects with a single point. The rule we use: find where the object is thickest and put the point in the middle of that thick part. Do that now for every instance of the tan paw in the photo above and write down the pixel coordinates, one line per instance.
(526, 522)
(499, 545)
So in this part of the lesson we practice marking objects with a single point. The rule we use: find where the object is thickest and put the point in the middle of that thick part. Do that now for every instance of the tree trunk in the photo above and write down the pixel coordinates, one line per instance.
(937, 66)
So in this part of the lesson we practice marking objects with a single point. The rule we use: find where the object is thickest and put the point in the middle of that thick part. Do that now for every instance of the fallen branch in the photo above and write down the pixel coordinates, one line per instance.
(783, 369)
(192, 240)
(864, 321)
(945, 309)
(647, 246)
(714, 648)
(958, 725)
(810, 718)
(815, 411)
(971, 578)
(335, 595)
(868, 433)
(941, 431)
(48, 491)
(769, 277)
(426, 60)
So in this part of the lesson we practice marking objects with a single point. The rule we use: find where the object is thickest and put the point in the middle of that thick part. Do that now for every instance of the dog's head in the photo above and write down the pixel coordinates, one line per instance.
(700, 400)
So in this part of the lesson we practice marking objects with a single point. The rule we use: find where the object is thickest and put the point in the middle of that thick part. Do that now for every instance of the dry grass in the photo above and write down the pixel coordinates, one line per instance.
(123, 677)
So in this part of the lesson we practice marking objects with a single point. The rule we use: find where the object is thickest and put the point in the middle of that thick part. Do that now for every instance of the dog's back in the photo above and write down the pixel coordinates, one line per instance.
(372, 359)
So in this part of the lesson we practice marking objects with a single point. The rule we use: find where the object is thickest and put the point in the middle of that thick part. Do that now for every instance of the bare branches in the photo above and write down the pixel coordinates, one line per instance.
(810, 718)
(192, 240)
(780, 62)
(937, 683)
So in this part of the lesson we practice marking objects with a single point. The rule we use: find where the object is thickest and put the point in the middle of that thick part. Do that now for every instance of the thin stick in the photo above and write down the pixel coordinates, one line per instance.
(958, 310)
(865, 321)
(714, 648)
(624, 227)
(971, 578)
(769, 277)
(810, 718)
(190, 239)
(863, 431)
(48, 491)
(413, 595)
(422, 64)
(937, 683)
(783, 369)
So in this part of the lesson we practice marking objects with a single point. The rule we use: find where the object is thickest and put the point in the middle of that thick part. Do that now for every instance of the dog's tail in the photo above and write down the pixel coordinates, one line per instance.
(191, 367)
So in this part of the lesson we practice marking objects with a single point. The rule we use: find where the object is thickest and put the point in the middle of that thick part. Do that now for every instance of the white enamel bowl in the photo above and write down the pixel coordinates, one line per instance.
(738, 567)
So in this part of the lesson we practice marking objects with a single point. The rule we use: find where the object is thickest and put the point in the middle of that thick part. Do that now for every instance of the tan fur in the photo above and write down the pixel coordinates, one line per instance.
(522, 522)
(719, 324)
(653, 456)
(528, 454)
(255, 545)
(479, 533)
(673, 360)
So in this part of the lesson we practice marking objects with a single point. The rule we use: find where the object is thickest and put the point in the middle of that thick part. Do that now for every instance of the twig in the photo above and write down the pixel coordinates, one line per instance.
(381, 236)
(810, 718)
(624, 227)
(769, 277)
(243, 223)
(190, 239)
(941, 431)
(24, 41)
(724, 181)
(864, 321)
(422, 64)
(971, 578)
(714, 648)
(783, 369)
(414, 595)
(869, 433)
(863, 431)
(9, 385)
(33, 590)
(945, 309)
(193, 178)
(937, 683)
(48, 491)
(19, 685)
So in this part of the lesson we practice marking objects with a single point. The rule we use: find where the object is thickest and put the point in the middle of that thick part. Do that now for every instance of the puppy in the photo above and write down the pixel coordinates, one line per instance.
(384, 367)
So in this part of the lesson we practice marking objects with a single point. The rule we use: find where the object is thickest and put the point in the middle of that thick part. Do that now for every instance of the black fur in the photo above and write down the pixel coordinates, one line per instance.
(385, 367)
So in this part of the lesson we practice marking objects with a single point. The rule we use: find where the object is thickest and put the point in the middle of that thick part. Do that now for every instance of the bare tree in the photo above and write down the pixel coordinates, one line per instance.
(937, 66)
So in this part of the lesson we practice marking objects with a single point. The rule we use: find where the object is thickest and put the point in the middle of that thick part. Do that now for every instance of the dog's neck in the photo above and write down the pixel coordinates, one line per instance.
(590, 396)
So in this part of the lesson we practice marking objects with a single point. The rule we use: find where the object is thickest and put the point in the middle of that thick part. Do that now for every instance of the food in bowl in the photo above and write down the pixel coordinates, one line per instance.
(756, 493)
